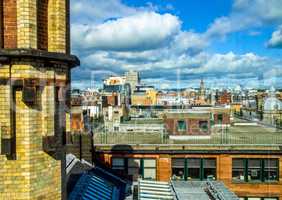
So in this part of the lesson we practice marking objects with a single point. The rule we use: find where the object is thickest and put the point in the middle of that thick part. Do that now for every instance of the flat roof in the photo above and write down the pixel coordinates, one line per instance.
(234, 135)
(202, 190)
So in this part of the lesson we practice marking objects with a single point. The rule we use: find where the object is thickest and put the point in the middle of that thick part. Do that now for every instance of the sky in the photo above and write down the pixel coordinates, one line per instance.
(179, 42)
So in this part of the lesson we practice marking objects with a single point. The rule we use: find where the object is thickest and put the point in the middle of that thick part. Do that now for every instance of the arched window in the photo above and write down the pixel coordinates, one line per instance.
(42, 24)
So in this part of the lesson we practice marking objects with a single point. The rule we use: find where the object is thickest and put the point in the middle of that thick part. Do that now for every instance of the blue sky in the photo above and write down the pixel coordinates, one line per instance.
(225, 42)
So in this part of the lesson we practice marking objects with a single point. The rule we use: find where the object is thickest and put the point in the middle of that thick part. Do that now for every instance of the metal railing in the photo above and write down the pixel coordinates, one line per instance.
(218, 138)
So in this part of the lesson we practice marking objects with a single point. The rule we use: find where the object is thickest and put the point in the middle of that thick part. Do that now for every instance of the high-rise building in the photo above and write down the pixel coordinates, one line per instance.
(34, 93)
(132, 77)
(202, 88)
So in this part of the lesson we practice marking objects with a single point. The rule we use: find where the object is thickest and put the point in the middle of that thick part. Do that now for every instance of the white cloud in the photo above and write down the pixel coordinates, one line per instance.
(143, 31)
(96, 11)
(276, 39)
(111, 38)
(247, 14)
(232, 63)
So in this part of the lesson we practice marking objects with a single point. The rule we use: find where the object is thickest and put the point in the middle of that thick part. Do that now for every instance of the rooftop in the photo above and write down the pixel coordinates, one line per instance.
(184, 190)
(247, 134)
(240, 136)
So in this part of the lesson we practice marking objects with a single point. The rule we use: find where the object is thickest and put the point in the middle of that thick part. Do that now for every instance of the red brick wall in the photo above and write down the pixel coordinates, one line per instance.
(10, 23)
(42, 25)
(224, 171)
(1, 24)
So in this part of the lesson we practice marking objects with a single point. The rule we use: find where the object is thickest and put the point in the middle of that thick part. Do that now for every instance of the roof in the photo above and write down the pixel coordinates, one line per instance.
(246, 135)
(184, 190)
(154, 190)
(202, 190)
(86, 182)
(98, 184)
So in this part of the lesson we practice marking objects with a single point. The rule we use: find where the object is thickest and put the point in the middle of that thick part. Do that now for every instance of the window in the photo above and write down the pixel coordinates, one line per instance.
(203, 125)
(149, 171)
(209, 168)
(255, 169)
(134, 168)
(178, 166)
(220, 118)
(270, 172)
(181, 125)
(118, 164)
(238, 169)
(194, 168)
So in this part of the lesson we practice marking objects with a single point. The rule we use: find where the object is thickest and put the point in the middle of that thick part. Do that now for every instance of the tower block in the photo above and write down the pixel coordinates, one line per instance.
(35, 64)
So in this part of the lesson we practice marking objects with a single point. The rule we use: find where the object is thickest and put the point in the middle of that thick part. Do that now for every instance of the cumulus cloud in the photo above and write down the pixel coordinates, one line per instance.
(143, 31)
(246, 14)
(96, 11)
(111, 37)
(232, 63)
(276, 39)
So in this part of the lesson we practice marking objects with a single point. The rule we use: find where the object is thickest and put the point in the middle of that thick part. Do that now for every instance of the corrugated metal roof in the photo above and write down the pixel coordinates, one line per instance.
(98, 184)
(202, 190)
(154, 190)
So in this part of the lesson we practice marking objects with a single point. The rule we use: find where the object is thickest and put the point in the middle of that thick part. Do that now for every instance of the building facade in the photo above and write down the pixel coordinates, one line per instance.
(34, 94)
(250, 173)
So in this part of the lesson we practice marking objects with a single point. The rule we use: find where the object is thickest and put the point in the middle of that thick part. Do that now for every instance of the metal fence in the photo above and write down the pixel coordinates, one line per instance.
(224, 137)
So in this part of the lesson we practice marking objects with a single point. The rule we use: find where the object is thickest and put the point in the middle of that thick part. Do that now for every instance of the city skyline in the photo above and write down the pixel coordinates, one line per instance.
(225, 43)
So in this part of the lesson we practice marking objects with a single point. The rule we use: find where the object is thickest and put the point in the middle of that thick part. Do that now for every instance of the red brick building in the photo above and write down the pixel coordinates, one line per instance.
(249, 172)
(187, 123)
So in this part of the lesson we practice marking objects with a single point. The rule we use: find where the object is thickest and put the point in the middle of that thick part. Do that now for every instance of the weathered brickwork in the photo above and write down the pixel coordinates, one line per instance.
(10, 23)
(26, 24)
(33, 98)
(34, 174)
(57, 26)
